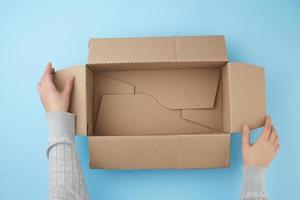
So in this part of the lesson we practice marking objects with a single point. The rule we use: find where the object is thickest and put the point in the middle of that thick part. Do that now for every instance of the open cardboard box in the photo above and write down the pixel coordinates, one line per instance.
(168, 102)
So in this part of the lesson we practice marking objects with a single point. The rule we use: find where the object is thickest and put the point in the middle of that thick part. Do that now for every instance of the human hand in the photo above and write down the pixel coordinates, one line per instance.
(262, 152)
(52, 99)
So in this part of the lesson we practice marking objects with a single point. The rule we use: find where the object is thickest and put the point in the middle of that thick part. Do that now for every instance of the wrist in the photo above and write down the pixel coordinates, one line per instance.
(56, 108)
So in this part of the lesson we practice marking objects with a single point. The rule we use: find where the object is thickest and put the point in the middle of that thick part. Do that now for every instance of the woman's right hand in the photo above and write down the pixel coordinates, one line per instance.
(263, 151)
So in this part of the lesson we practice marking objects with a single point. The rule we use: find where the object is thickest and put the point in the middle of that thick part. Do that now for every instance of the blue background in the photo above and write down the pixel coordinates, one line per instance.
(32, 33)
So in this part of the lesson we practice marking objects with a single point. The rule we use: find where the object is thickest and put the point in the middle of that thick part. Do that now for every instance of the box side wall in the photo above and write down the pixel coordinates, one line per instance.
(160, 152)
(226, 100)
(159, 49)
(90, 100)
(156, 65)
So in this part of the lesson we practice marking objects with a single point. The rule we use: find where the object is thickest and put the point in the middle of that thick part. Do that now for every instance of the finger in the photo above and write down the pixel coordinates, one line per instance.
(48, 80)
(68, 86)
(39, 87)
(276, 141)
(52, 73)
(267, 128)
(49, 75)
(48, 70)
(277, 147)
(273, 136)
(246, 136)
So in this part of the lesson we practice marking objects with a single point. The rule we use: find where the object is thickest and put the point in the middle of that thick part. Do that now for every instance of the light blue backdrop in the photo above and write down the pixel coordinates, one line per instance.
(32, 33)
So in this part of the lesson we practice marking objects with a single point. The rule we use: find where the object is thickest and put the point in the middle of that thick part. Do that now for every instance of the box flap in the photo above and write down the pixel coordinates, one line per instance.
(245, 101)
(78, 102)
(141, 114)
(157, 49)
(105, 85)
(212, 118)
(174, 89)
(160, 152)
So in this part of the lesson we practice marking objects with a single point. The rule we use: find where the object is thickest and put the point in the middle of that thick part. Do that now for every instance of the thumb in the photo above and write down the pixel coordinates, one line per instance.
(246, 136)
(68, 86)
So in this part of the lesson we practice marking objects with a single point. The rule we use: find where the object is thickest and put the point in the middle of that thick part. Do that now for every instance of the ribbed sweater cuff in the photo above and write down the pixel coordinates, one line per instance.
(60, 124)
(254, 178)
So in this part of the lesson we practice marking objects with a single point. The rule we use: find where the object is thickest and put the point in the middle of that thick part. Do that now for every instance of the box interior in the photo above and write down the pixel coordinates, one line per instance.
(158, 99)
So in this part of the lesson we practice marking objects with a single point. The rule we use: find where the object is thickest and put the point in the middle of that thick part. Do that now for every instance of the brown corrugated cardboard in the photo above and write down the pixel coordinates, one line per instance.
(245, 95)
(104, 85)
(160, 152)
(141, 114)
(212, 118)
(184, 89)
(150, 103)
(78, 97)
(159, 49)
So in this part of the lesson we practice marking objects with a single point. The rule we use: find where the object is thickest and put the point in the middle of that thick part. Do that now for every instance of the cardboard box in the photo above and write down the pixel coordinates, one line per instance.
(169, 102)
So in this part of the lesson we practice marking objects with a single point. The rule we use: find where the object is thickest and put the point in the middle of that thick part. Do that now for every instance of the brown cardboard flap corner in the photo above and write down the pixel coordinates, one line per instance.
(167, 102)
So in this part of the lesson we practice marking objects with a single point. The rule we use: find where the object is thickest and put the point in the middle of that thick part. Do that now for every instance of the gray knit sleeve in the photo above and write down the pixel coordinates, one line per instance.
(65, 175)
(254, 182)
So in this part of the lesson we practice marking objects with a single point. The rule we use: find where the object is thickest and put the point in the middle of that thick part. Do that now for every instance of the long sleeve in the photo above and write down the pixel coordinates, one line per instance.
(65, 175)
(254, 182)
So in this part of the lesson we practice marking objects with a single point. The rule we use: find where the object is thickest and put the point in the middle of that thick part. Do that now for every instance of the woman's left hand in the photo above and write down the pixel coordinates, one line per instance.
(52, 99)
